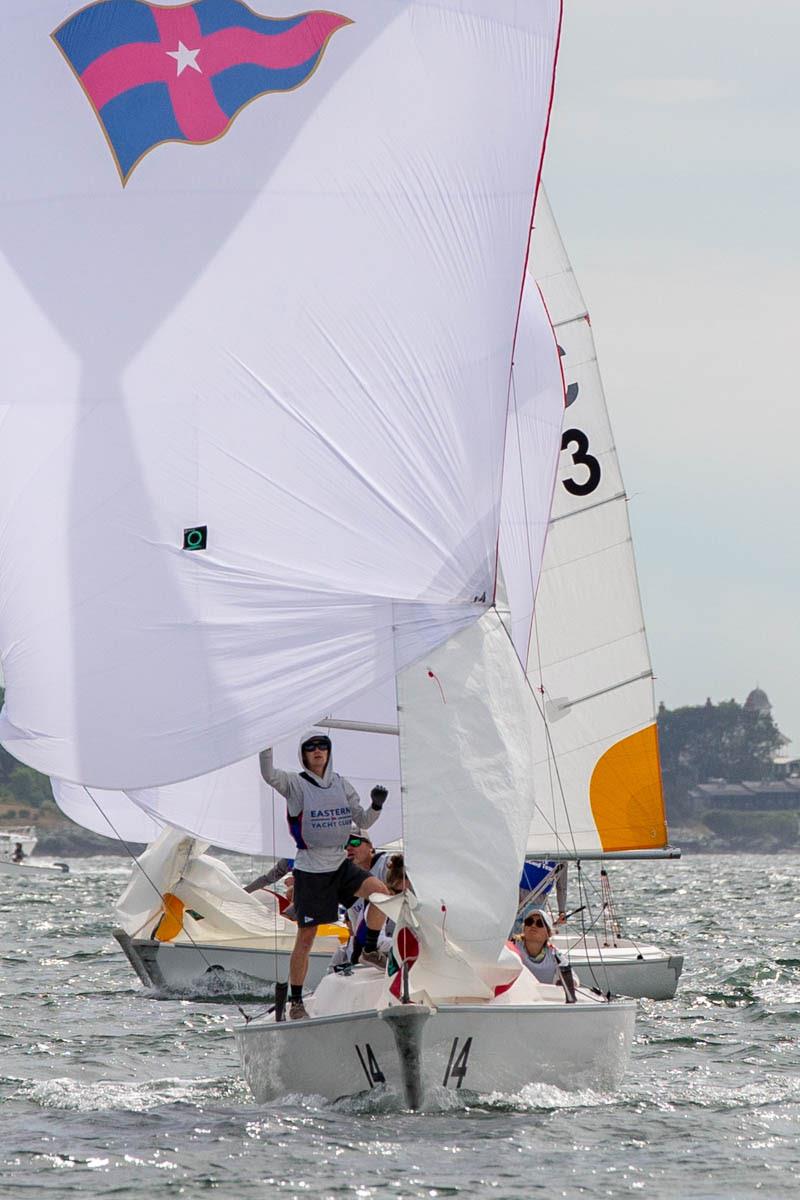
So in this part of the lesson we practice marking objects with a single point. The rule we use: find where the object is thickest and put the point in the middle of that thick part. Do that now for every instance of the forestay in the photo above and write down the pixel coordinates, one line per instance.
(598, 782)
(255, 359)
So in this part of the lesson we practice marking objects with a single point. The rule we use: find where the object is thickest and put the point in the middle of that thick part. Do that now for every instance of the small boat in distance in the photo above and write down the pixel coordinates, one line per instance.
(23, 836)
(16, 847)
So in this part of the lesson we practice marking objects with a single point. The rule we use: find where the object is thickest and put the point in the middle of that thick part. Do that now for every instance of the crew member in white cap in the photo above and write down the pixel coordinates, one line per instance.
(534, 947)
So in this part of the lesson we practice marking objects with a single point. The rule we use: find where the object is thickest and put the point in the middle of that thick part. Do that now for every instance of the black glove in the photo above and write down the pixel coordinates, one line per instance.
(378, 796)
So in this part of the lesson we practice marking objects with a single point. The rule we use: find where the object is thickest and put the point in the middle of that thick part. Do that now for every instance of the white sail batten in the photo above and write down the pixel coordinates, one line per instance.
(255, 384)
(467, 767)
(598, 784)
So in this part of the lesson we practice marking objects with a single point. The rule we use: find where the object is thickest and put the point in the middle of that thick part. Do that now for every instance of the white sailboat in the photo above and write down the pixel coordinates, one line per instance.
(184, 922)
(270, 441)
(461, 1010)
(241, 944)
(598, 776)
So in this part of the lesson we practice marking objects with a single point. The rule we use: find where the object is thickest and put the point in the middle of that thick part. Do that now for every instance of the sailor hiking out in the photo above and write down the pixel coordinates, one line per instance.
(322, 808)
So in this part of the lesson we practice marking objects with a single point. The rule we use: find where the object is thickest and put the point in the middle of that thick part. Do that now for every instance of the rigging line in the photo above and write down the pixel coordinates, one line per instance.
(532, 691)
(533, 626)
(626, 936)
(157, 890)
(592, 929)
(524, 495)
(276, 909)
(551, 747)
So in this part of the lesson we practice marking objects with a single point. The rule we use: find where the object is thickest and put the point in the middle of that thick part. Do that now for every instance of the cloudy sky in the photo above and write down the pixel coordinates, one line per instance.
(673, 173)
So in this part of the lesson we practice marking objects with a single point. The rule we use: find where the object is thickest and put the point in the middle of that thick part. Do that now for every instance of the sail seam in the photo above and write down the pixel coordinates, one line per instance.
(635, 633)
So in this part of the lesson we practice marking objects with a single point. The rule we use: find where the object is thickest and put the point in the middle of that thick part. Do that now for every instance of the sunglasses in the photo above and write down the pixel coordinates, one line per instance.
(536, 922)
(356, 841)
(316, 744)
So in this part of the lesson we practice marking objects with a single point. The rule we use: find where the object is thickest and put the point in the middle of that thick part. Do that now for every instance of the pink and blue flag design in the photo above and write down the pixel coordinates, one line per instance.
(157, 74)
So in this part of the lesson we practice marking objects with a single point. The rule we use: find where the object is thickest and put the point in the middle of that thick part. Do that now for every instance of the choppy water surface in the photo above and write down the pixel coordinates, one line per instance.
(107, 1092)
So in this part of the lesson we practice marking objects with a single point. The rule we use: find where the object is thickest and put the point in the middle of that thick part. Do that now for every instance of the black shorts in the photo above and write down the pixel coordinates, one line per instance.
(318, 894)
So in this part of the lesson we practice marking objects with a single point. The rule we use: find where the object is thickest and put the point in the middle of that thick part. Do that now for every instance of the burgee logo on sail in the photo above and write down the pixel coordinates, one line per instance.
(155, 75)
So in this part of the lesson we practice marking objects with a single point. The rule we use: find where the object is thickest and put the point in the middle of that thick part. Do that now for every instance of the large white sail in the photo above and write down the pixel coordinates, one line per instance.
(598, 782)
(255, 360)
(468, 785)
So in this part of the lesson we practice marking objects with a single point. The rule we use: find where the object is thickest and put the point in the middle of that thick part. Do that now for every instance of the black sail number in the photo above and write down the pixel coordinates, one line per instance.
(369, 1065)
(581, 458)
(457, 1063)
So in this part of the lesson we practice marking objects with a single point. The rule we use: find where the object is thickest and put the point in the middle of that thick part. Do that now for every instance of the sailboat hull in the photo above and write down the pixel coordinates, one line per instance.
(180, 967)
(626, 969)
(34, 870)
(471, 1048)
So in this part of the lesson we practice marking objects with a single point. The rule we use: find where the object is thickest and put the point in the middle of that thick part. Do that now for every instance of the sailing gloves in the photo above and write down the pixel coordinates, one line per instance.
(378, 796)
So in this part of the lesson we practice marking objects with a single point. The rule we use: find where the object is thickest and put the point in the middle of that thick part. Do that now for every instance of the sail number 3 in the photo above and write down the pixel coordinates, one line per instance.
(581, 458)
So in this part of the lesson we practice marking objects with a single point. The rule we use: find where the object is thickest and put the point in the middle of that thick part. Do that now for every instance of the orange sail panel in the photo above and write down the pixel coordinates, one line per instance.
(626, 796)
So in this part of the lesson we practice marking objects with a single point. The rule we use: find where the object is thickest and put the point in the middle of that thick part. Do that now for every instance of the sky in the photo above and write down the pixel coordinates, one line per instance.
(673, 167)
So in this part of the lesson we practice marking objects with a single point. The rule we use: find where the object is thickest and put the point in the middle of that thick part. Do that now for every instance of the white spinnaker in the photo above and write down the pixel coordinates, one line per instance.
(110, 813)
(597, 775)
(298, 336)
(233, 807)
(467, 764)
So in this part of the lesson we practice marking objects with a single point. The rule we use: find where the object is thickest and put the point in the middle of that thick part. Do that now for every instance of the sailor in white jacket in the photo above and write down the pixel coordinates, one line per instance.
(322, 808)
(534, 947)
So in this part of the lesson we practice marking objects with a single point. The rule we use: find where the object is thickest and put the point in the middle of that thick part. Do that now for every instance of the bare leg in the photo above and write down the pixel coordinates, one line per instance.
(298, 963)
(374, 917)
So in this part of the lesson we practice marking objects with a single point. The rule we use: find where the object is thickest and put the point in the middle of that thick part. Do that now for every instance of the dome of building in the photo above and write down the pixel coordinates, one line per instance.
(758, 700)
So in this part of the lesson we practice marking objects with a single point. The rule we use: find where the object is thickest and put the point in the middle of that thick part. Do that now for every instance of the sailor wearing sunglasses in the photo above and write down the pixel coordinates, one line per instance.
(322, 807)
(534, 948)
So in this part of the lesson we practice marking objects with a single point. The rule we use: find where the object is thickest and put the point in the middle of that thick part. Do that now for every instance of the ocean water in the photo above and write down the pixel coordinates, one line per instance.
(109, 1092)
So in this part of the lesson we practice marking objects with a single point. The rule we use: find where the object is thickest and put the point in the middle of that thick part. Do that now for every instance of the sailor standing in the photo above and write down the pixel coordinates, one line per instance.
(322, 808)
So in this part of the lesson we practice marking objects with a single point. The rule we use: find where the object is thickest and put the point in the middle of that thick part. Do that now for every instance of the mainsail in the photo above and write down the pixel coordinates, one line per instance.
(598, 781)
(255, 380)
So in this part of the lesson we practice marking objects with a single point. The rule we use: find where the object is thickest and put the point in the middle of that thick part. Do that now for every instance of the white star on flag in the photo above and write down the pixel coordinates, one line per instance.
(185, 58)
